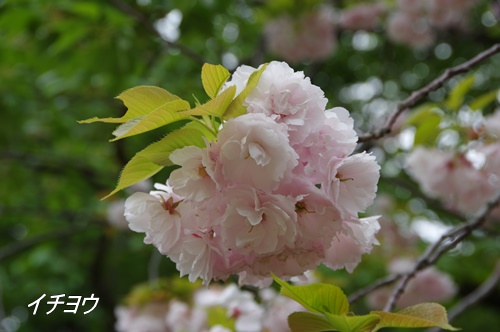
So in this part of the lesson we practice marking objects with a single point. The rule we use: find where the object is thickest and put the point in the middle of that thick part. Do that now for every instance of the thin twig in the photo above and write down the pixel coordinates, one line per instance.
(418, 95)
(475, 297)
(447, 241)
(372, 287)
(145, 21)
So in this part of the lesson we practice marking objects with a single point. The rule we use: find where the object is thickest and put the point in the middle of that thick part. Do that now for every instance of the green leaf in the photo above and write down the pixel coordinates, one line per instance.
(213, 78)
(457, 94)
(347, 323)
(155, 156)
(139, 168)
(236, 107)
(216, 106)
(308, 322)
(163, 115)
(140, 101)
(218, 316)
(190, 134)
(428, 131)
(319, 298)
(419, 315)
(421, 114)
(483, 100)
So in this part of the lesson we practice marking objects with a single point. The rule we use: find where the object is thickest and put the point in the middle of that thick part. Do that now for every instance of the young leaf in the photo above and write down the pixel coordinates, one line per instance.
(483, 100)
(428, 131)
(302, 321)
(419, 315)
(213, 78)
(216, 106)
(421, 114)
(346, 323)
(140, 101)
(319, 298)
(137, 169)
(163, 115)
(457, 94)
(236, 107)
(190, 134)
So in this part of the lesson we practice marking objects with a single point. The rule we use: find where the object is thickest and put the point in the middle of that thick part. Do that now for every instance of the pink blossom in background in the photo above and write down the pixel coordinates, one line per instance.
(410, 29)
(115, 214)
(362, 17)
(492, 124)
(277, 310)
(269, 193)
(429, 285)
(454, 178)
(308, 37)
(149, 317)
(445, 14)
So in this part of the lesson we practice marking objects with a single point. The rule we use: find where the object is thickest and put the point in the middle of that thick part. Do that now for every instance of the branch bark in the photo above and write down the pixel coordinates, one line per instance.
(418, 95)
(475, 297)
(447, 241)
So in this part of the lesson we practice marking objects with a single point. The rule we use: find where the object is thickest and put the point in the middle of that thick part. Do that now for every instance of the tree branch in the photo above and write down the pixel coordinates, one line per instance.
(474, 297)
(418, 95)
(145, 21)
(372, 287)
(447, 241)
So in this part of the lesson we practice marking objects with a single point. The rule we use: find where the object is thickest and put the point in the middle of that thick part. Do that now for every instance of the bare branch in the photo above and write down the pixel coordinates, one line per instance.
(475, 297)
(418, 95)
(372, 287)
(447, 241)
(143, 20)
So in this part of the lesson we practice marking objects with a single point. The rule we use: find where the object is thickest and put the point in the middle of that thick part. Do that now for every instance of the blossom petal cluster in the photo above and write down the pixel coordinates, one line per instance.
(429, 285)
(309, 37)
(239, 309)
(465, 180)
(279, 189)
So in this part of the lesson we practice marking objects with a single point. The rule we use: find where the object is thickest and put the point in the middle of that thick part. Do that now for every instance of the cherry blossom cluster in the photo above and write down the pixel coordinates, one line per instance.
(414, 22)
(239, 308)
(313, 35)
(278, 191)
(466, 179)
(429, 285)
(309, 37)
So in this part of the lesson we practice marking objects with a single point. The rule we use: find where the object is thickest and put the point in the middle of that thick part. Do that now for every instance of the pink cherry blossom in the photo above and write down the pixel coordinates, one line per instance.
(362, 17)
(308, 37)
(492, 124)
(454, 178)
(191, 180)
(352, 182)
(149, 317)
(251, 149)
(278, 189)
(409, 28)
(429, 285)
(289, 98)
(258, 223)
(157, 215)
(333, 139)
(356, 239)
(278, 308)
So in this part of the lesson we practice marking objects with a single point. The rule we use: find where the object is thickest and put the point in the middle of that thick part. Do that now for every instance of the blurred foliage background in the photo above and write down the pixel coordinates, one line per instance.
(64, 60)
